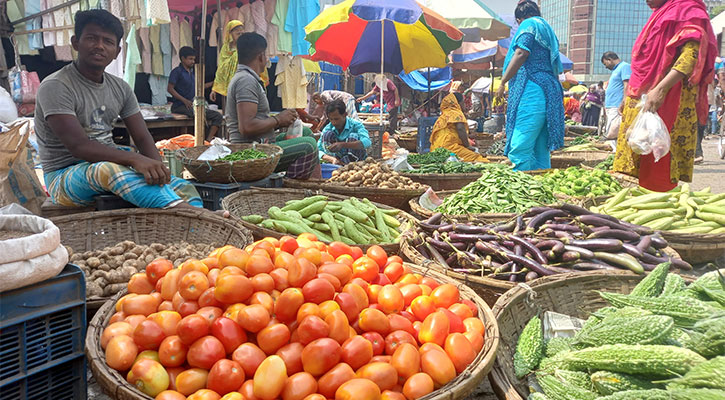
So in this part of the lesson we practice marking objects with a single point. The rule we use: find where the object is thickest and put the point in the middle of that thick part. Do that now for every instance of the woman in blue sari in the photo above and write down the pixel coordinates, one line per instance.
(535, 116)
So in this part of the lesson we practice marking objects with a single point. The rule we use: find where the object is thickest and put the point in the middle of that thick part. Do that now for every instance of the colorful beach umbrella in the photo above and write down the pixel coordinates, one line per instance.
(472, 17)
(382, 36)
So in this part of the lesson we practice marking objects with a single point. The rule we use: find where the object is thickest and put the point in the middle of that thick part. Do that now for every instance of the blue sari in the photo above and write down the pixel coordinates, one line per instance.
(535, 115)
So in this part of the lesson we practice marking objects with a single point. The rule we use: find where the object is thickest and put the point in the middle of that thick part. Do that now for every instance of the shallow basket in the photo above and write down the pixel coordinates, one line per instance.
(571, 294)
(396, 198)
(113, 383)
(408, 143)
(258, 201)
(231, 171)
(443, 181)
(425, 213)
(696, 248)
(144, 226)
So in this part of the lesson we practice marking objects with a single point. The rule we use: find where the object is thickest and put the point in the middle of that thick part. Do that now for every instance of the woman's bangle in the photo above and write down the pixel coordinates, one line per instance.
(276, 125)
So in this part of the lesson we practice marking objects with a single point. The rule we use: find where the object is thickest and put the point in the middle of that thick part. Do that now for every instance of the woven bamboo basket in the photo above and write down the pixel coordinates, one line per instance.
(396, 198)
(258, 201)
(483, 141)
(571, 294)
(425, 213)
(231, 171)
(562, 160)
(143, 226)
(578, 130)
(114, 384)
(443, 181)
(696, 248)
(409, 143)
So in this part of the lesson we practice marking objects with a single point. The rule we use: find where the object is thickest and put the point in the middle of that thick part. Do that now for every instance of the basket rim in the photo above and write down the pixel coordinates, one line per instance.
(322, 184)
(272, 151)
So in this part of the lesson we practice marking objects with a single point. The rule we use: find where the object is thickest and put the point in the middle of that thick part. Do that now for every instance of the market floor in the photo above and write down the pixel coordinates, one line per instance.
(712, 171)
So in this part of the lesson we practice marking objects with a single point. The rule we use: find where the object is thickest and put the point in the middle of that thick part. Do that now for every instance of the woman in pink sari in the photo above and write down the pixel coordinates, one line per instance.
(672, 63)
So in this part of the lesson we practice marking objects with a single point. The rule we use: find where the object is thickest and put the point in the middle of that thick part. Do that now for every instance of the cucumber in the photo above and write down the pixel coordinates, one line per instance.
(710, 208)
(253, 219)
(654, 206)
(651, 216)
(314, 208)
(706, 216)
(353, 233)
(300, 204)
(330, 221)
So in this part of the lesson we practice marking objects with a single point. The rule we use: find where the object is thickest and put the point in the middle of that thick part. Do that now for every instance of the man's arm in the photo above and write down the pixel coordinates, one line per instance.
(397, 97)
(252, 127)
(367, 96)
(179, 97)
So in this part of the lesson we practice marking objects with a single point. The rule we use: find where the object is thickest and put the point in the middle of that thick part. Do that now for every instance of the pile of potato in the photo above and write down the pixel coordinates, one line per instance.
(108, 270)
(370, 173)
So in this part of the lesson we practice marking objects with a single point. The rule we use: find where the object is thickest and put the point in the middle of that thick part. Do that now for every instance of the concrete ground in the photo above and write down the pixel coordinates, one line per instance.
(712, 171)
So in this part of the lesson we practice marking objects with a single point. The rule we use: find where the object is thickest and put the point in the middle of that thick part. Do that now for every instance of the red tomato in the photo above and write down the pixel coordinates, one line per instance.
(280, 279)
(321, 355)
(406, 360)
(460, 351)
(334, 281)
(439, 366)
(191, 328)
(454, 322)
(327, 307)
(396, 338)
(249, 356)
(273, 337)
(377, 341)
(318, 290)
(372, 320)
(191, 380)
(461, 310)
(410, 292)
(170, 395)
(285, 309)
(356, 351)
(156, 269)
(291, 354)
(336, 249)
(476, 341)
(148, 335)
(270, 378)
(210, 313)
(435, 329)
(339, 326)
(312, 328)
(391, 299)
(207, 299)
(187, 308)
(148, 376)
(204, 352)
(373, 291)
(356, 252)
(348, 305)
(418, 386)
(172, 352)
(445, 295)
(391, 395)
(422, 306)
(471, 305)
(204, 394)
(193, 284)
(382, 373)
(394, 271)
(232, 289)
(328, 384)
(229, 333)
(339, 271)
(140, 284)
(358, 389)
(247, 390)
(393, 259)
(263, 282)
(301, 272)
(142, 304)
(430, 282)
(400, 323)
(170, 284)
(365, 268)
(306, 310)
(377, 254)
(253, 318)
(121, 351)
(474, 325)
(299, 386)
(225, 376)
(115, 329)
(288, 244)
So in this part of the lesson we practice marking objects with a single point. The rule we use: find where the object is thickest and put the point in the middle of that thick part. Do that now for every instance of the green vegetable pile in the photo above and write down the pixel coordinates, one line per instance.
(680, 210)
(352, 221)
(499, 190)
(584, 139)
(664, 340)
(576, 181)
(246, 154)
(587, 146)
(607, 164)
(436, 156)
(456, 167)
(497, 148)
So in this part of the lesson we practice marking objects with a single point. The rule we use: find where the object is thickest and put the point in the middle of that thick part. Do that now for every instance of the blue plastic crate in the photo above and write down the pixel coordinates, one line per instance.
(42, 335)
(425, 128)
(213, 193)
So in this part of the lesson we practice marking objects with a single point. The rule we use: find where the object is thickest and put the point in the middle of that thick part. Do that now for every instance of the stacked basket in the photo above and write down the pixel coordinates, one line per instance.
(217, 171)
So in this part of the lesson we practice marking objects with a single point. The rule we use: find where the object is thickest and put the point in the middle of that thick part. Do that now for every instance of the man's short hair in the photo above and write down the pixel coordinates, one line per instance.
(610, 55)
(186, 51)
(104, 19)
(249, 46)
(336, 105)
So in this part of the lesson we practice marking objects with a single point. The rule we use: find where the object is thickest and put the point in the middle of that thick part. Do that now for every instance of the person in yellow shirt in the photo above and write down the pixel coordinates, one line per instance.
(451, 130)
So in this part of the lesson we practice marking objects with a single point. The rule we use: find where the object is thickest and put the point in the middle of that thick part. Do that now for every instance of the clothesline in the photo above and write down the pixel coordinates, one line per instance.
(47, 11)
(49, 29)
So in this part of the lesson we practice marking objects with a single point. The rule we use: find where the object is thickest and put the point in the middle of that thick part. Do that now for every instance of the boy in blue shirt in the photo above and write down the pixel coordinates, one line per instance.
(344, 139)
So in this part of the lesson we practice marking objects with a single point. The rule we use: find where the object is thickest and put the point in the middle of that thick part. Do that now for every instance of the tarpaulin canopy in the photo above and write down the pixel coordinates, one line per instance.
(421, 79)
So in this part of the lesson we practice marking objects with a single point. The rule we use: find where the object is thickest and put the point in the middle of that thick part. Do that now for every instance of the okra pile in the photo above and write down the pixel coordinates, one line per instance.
(499, 190)
(580, 182)
(664, 340)
(351, 221)
(246, 154)
(680, 210)
(543, 241)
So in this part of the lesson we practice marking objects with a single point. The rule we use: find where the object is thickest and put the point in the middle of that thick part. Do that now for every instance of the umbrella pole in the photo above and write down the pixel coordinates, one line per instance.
(199, 114)
(383, 82)
(427, 106)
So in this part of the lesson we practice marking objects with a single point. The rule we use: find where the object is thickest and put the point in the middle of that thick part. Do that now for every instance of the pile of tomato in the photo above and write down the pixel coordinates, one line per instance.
(290, 318)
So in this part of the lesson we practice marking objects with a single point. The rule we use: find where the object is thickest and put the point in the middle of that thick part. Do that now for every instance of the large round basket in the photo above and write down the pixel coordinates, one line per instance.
(443, 181)
(143, 226)
(578, 130)
(231, 171)
(571, 294)
(258, 201)
(114, 384)
(397, 198)
(408, 142)
(562, 160)
(696, 248)
(425, 213)
(483, 141)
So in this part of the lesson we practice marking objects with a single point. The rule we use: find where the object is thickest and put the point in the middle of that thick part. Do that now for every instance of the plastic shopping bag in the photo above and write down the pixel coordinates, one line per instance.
(295, 130)
(649, 134)
(24, 85)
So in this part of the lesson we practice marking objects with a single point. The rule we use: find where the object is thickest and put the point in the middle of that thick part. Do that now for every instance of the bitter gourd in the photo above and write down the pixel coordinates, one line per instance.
(651, 394)
(556, 345)
(530, 348)
(558, 390)
(653, 283)
(684, 310)
(575, 378)
(649, 329)
(710, 374)
(537, 396)
(674, 284)
(697, 394)
(606, 382)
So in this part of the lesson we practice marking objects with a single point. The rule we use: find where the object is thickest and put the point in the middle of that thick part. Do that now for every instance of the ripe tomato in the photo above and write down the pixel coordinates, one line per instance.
(207, 298)
(312, 255)
(263, 282)
(148, 376)
(299, 386)
(307, 309)
(121, 352)
(280, 278)
(356, 351)
(148, 335)
(356, 252)
(193, 265)
(430, 282)
(391, 395)
(318, 290)
(418, 386)
(383, 374)
(210, 313)
(339, 326)
(191, 328)
(348, 305)
(435, 329)
(358, 389)
(285, 309)
(113, 330)
(259, 265)
(377, 341)
(438, 365)
(328, 384)
(119, 316)
(338, 270)
(211, 262)
(191, 380)
(267, 246)
(460, 351)
(410, 292)
(170, 395)
(406, 361)
(253, 318)
(291, 354)
(225, 376)
(394, 271)
(321, 355)
(288, 244)
(422, 306)
(172, 352)
(142, 304)
(147, 355)
(474, 325)
(134, 320)
(312, 328)
(455, 324)
(233, 257)
(269, 379)
(187, 307)
(170, 284)
(365, 268)
(204, 394)
(445, 295)
(400, 323)
(396, 338)
(373, 291)
(157, 268)
(372, 320)
(336, 249)
(232, 289)
(140, 284)
(391, 299)
(461, 310)
(336, 284)
(249, 356)
(192, 285)
(327, 307)
(229, 333)
(273, 337)
(301, 272)
(232, 396)
(377, 254)
(204, 352)
(476, 341)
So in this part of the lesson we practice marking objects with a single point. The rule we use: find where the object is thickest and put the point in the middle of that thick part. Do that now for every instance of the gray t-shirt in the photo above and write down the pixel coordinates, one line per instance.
(245, 86)
(96, 105)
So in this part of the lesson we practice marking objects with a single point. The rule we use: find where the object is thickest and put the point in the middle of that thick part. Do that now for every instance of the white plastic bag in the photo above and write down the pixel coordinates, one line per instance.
(295, 130)
(8, 109)
(649, 134)
(216, 151)
(399, 162)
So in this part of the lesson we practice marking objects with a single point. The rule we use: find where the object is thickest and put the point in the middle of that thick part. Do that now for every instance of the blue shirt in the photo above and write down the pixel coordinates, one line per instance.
(183, 82)
(615, 91)
(299, 14)
(352, 127)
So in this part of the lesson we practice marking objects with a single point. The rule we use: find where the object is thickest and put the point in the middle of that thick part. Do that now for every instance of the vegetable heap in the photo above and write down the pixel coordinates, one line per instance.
(584, 139)
(664, 340)
(291, 319)
(607, 164)
(497, 148)
(246, 154)
(455, 167)
(680, 210)
(436, 156)
(543, 241)
(499, 190)
(351, 221)
(576, 181)
(370, 173)
(588, 146)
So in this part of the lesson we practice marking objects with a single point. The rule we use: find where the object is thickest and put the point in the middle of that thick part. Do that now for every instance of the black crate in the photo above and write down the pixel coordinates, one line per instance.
(213, 193)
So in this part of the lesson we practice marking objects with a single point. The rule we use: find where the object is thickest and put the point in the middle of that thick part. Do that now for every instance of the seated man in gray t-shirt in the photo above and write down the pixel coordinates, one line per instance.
(74, 114)
(247, 113)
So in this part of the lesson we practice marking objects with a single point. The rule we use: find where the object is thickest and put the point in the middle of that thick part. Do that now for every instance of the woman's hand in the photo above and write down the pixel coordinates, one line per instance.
(655, 99)
(500, 92)
(212, 96)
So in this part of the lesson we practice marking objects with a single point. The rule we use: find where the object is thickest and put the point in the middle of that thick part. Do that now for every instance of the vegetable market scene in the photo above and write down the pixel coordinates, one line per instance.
(362, 200)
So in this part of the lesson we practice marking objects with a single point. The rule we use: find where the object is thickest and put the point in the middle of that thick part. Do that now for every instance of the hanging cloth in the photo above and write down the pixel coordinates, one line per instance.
(185, 38)
(165, 35)
(284, 38)
(299, 14)
(133, 57)
(157, 58)
(115, 68)
(292, 82)
(213, 38)
(272, 31)
(245, 15)
(157, 12)
(143, 34)
(258, 17)
(48, 22)
(174, 38)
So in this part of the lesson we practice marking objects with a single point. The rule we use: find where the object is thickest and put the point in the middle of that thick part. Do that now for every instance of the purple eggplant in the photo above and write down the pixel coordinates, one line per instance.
(435, 219)
(570, 256)
(644, 243)
(583, 253)
(561, 227)
(563, 235)
(658, 241)
(530, 264)
(441, 245)
(507, 227)
(624, 235)
(535, 252)
(541, 218)
(592, 266)
(632, 250)
(597, 244)
(575, 210)
(547, 244)
(532, 212)
(467, 237)
(599, 220)
(530, 276)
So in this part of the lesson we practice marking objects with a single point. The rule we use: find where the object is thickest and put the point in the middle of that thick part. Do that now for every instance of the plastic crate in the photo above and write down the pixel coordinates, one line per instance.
(105, 202)
(42, 334)
(213, 193)
(425, 128)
